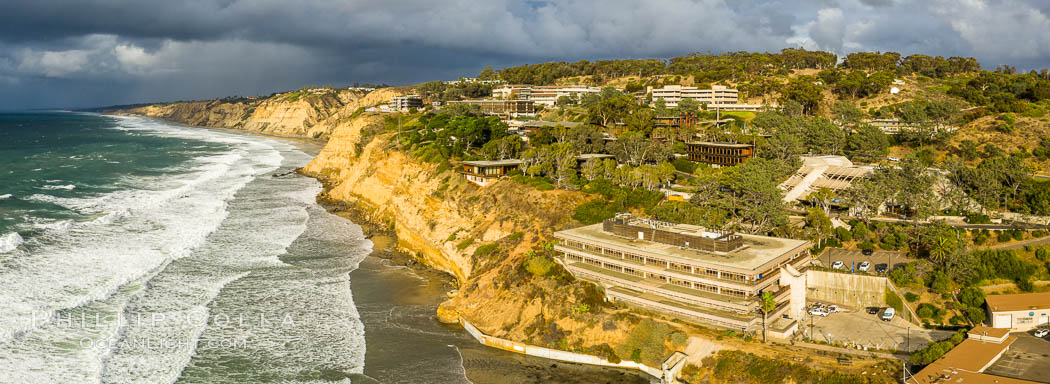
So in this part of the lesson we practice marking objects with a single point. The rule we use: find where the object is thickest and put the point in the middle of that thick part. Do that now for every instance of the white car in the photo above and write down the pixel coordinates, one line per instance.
(864, 266)
(1041, 332)
(833, 309)
(837, 265)
(818, 312)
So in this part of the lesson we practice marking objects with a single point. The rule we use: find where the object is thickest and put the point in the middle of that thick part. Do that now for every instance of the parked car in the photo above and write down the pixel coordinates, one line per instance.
(887, 314)
(864, 266)
(818, 312)
(1041, 332)
(881, 268)
(833, 309)
(868, 252)
(837, 265)
(874, 310)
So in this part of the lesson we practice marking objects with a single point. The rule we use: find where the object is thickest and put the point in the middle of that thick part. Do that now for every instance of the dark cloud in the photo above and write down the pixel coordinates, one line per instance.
(58, 53)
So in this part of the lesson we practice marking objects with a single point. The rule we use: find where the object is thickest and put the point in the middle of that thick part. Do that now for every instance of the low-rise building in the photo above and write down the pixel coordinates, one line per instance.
(503, 108)
(966, 363)
(690, 272)
(543, 94)
(895, 126)
(401, 103)
(835, 173)
(1019, 312)
(718, 94)
(485, 172)
(719, 153)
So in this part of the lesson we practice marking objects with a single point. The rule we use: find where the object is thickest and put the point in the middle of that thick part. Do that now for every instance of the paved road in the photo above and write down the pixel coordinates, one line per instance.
(1020, 244)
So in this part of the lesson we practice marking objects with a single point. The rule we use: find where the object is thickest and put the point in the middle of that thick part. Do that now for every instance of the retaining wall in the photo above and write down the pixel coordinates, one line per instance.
(554, 354)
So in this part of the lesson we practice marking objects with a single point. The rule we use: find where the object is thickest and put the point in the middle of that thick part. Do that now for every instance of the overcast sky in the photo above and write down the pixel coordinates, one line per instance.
(78, 53)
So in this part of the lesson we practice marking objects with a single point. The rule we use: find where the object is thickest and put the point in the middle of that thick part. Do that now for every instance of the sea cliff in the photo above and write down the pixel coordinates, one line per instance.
(303, 113)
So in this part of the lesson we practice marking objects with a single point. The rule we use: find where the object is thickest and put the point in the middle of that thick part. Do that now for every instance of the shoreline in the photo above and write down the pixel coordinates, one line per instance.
(480, 363)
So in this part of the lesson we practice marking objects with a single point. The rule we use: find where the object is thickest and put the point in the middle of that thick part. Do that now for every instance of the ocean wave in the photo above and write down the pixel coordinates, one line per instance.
(10, 241)
(60, 226)
(5, 196)
(67, 187)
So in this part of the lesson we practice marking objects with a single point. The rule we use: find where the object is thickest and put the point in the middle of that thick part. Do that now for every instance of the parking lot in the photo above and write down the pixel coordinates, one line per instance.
(1027, 359)
(851, 258)
(855, 327)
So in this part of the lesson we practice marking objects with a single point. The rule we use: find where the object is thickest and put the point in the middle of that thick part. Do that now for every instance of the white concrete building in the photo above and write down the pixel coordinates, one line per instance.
(718, 94)
(542, 94)
(1019, 312)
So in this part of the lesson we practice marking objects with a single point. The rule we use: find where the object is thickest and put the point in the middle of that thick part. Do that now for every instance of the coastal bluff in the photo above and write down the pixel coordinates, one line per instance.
(299, 113)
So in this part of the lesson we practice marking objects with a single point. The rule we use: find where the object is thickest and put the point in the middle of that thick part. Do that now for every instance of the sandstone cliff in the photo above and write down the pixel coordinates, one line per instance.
(299, 113)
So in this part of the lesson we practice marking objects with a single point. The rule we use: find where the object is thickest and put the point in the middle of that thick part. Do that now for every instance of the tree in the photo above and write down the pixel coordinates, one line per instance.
(806, 92)
(686, 106)
(767, 304)
(487, 74)
(591, 169)
(867, 143)
(819, 224)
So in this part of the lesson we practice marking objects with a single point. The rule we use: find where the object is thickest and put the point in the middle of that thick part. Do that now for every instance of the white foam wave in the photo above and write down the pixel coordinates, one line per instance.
(67, 187)
(10, 242)
(5, 196)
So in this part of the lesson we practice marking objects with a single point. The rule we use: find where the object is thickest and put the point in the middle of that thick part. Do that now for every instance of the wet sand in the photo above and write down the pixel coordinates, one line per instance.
(398, 297)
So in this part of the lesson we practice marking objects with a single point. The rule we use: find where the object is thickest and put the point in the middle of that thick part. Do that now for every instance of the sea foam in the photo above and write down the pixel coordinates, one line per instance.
(10, 242)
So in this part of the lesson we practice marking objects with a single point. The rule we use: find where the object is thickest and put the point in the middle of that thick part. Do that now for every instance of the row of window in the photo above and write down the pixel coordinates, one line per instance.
(639, 259)
(725, 291)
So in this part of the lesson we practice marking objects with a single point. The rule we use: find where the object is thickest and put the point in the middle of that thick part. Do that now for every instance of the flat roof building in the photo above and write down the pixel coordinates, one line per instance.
(1019, 312)
(672, 94)
(543, 94)
(690, 272)
(719, 153)
(966, 363)
(400, 103)
(502, 108)
(485, 172)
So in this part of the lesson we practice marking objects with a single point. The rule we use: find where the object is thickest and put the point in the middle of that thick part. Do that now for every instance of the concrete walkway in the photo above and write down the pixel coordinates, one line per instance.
(1020, 244)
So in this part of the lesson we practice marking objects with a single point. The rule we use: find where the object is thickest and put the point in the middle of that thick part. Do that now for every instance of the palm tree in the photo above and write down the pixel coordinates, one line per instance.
(941, 249)
(767, 304)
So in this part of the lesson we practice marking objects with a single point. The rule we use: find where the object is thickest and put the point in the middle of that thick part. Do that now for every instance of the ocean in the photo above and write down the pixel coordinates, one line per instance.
(138, 251)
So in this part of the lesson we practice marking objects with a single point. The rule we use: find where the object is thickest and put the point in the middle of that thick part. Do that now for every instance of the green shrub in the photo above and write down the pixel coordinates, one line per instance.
(894, 301)
(515, 236)
(911, 297)
(465, 243)
(538, 265)
(485, 250)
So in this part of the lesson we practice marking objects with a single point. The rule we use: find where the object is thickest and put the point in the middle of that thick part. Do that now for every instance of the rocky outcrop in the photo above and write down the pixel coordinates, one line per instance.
(300, 113)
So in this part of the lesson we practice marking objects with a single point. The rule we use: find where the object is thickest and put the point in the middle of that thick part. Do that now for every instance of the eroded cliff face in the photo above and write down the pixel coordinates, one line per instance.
(442, 219)
(299, 113)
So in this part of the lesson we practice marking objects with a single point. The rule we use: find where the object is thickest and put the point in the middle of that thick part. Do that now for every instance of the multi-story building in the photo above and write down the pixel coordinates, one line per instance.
(502, 108)
(719, 153)
(543, 94)
(400, 103)
(717, 95)
(693, 273)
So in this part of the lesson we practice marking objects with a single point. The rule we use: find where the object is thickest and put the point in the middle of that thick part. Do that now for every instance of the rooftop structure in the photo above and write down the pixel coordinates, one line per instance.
(833, 172)
(503, 108)
(543, 94)
(695, 273)
(966, 363)
(672, 94)
(1019, 312)
(485, 172)
(719, 153)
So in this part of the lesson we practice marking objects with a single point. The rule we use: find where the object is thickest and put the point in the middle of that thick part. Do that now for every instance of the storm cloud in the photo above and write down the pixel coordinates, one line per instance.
(57, 54)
